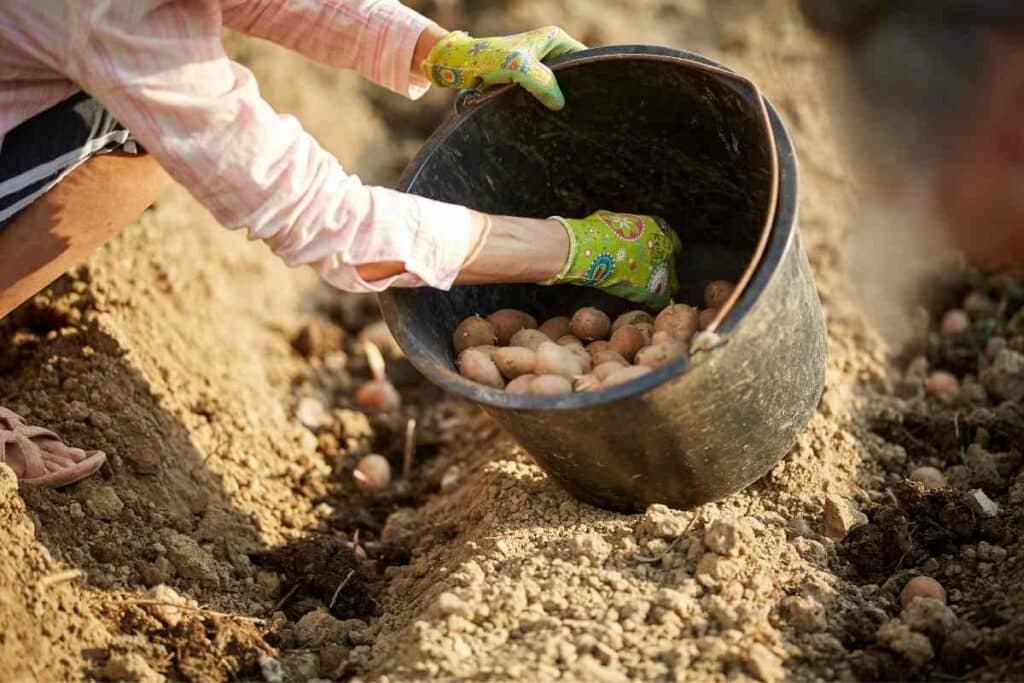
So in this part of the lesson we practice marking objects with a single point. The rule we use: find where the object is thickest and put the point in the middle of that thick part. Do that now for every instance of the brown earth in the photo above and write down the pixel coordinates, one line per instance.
(226, 540)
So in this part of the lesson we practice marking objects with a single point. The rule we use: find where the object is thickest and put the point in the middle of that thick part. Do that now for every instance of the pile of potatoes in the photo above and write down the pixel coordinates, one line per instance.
(587, 352)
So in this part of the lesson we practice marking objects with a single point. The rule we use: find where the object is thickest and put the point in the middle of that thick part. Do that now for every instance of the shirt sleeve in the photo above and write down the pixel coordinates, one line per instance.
(160, 68)
(377, 38)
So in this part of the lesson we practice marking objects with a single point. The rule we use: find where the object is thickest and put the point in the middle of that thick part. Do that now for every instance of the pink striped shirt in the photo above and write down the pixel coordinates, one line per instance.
(160, 68)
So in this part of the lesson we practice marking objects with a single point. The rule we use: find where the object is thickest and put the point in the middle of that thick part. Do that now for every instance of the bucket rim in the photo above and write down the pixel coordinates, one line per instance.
(776, 237)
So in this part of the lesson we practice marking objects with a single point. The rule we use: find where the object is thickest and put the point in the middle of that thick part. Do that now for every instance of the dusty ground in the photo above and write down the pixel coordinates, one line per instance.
(215, 544)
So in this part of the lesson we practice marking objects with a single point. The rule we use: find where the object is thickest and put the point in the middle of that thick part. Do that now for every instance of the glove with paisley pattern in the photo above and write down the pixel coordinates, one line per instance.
(461, 61)
(624, 254)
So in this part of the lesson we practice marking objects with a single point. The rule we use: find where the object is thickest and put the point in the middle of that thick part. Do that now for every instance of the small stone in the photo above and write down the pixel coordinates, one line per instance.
(912, 646)
(271, 669)
(1004, 378)
(75, 511)
(191, 561)
(103, 503)
(929, 616)
(982, 505)
(991, 553)
(311, 413)
(841, 517)
(763, 664)
(171, 616)
(591, 545)
(448, 603)
(805, 613)
(318, 627)
(661, 521)
(929, 477)
(128, 667)
(727, 537)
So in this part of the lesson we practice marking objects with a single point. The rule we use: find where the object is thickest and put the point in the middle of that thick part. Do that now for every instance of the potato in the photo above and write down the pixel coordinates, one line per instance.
(550, 385)
(604, 370)
(608, 356)
(664, 338)
(586, 383)
(521, 384)
(586, 362)
(942, 384)
(477, 366)
(657, 354)
(717, 293)
(954, 322)
(474, 331)
(599, 346)
(625, 375)
(647, 330)
(589, 324)
(632, 318)
(529, 339)
(379, 396)
(508, 321)
(929, 477)
(921, 587)
(553, 359)
(679, 320)
(627, 340)
(513, 361)
(707, 316)
(372, 473)
(556, 327)
(490, 350)
(569, 340)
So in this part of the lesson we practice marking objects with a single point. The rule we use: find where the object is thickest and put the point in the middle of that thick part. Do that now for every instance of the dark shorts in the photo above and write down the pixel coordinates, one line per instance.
(36, 154)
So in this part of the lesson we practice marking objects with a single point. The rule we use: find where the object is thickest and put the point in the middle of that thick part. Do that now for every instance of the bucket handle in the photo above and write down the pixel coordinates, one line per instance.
(468, 97)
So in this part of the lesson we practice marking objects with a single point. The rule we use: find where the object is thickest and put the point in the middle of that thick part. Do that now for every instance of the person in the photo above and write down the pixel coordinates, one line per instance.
(102, 100)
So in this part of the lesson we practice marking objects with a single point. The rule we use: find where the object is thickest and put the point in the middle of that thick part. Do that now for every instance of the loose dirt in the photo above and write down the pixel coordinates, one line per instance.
(226, 539)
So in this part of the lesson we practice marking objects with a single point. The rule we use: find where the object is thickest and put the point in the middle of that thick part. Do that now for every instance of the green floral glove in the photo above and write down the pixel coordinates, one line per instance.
(626, 255)
(461, 61)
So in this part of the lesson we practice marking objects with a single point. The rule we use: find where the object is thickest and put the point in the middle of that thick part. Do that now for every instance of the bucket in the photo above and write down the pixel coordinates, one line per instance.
(654, 131)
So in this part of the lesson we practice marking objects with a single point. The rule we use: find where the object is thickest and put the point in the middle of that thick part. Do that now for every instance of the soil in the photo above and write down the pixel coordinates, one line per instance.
(226, 539)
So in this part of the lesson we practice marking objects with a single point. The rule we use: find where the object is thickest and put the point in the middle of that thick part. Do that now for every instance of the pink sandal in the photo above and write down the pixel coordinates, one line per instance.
(39, 457)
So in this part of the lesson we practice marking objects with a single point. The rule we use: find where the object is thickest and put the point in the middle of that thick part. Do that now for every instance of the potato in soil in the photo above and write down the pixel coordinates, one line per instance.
(550, 385)
(632, 318)
(508, 321)
(556, 327)
(513, 361)
(521, 384)
(473, 331)
(625, 375)
(477, 366)
(679, 320)
(372, 473)
(627, 340)
(378, 395)
(590, 323)
(717, 292)
(529, 339)
(553, 359)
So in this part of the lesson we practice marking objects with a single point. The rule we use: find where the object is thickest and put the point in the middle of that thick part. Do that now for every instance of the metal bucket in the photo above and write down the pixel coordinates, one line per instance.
(645, 130)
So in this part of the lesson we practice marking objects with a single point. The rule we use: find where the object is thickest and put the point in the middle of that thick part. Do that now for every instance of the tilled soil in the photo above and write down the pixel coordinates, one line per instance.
(226, 539)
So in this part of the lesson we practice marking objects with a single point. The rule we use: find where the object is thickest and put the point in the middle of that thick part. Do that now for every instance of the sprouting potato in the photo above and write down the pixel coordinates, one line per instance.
(556, 328)
(625, 375)
(608, 356)
(707, 316)
(513, 361)
(569, 340)
(553, 359)
(520, 385)
(657, 354)
(477, 366)
(529, 339)
(679, 320)
(647, 330)
(604, 370)
(372, 473)
(508, 321)
(587, 383)
(589, 324)
(627, 340)
(632, 318)
(379, 396)
(473, 331)
(550, 385)
(717, 292)
(921, 587)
